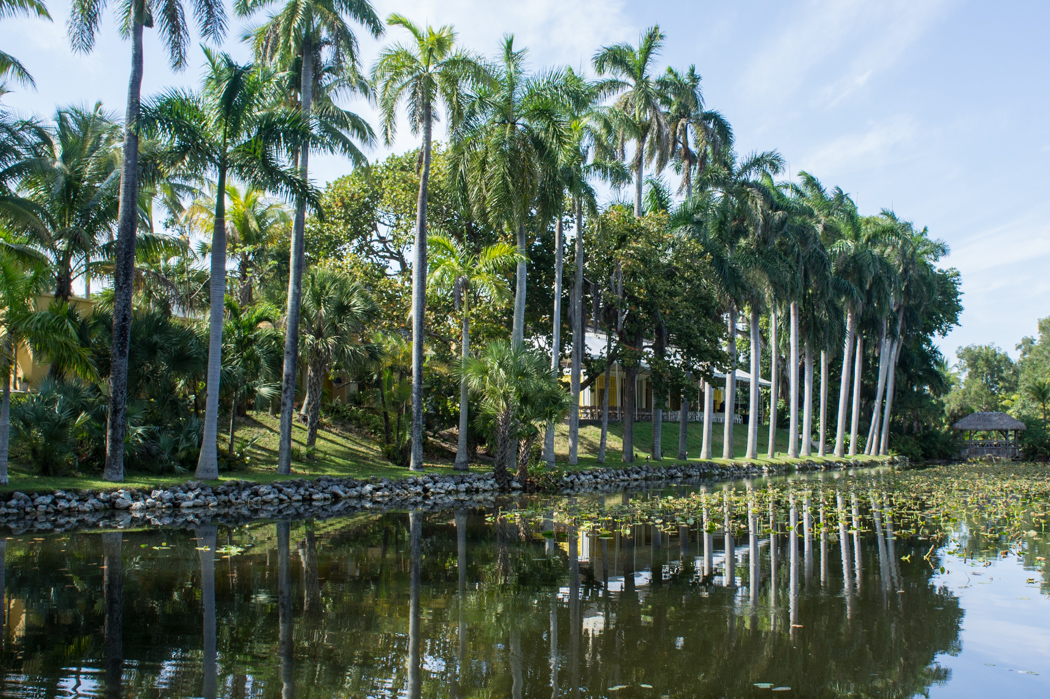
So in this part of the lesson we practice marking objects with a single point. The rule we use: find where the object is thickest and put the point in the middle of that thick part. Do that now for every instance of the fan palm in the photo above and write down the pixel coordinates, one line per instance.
(314, 39)
(465, 275)
(427, 71)
(638, 107)
(234, 127)
(336, 312)
(136, 15)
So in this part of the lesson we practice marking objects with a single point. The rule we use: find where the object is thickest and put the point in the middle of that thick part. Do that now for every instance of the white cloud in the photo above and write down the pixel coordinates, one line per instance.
(879, 143)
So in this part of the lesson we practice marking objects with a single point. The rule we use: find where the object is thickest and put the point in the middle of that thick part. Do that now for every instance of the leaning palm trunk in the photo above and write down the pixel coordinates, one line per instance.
(559, 262)
(823, 403)
(847, 361)
(124, 272)
(709, 399)
(793, 385)
(730, 398)
(5, 419)
(891, 382)
(577, 342)
(462, 457)
(208, 463)
(807, 404)
(773, 381)
(756, 355)
(683, 427)
(296, 266)
(871, 445)
(857, 378)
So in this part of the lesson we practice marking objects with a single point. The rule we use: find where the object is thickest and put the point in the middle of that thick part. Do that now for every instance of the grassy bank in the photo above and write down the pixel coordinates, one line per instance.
(346, 454)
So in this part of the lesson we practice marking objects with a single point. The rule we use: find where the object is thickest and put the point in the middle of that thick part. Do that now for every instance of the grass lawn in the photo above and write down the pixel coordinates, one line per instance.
(341, 453)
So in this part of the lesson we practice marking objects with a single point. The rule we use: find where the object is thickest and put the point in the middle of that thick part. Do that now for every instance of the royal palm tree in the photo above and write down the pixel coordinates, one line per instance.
(424, 74)
(638, 113)
(311, 38)
(170, 19)
(696, 135)
(465, 275)
(336, 313)
(236, 126)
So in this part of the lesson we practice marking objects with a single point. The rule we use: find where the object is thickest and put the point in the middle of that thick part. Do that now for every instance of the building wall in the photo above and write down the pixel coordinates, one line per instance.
(29, 372)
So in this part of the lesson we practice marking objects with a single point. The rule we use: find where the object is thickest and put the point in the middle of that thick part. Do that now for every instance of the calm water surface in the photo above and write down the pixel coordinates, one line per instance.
(457, 604)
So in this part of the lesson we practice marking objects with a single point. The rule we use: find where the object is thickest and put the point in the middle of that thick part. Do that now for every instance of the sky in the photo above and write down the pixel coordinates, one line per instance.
(936, 109)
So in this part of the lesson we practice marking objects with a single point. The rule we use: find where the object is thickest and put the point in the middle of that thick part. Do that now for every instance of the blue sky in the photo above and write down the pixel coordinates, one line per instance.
(937, 109)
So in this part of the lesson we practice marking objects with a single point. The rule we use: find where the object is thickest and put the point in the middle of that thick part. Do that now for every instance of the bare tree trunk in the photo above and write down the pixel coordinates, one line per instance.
(823, 402)
(208, 463)
(709, 399)
(559, 264)
(577, 341)
(891, 383)
(807, 404)
(311, 411)
(683, 427)
(756, 356)
(793, 385)
(462, 453)
(857, 378)
(296, 266)
(730, 397)
(774, 351)
(847, 360)
(124, 272)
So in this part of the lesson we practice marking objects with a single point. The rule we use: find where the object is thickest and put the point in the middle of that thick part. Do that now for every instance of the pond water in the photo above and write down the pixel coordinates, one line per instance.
(465, 604)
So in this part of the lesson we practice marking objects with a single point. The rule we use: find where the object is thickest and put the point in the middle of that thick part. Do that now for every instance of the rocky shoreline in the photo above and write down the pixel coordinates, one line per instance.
(236, 502)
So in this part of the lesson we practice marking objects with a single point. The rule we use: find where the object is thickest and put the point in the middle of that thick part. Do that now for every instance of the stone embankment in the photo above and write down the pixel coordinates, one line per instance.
(235, 502)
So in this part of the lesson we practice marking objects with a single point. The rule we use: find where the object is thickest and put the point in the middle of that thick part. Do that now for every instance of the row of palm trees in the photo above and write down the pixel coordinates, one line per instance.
(528, 149)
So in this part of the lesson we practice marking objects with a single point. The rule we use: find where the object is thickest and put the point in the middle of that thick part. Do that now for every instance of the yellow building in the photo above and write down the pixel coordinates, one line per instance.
(29, 372)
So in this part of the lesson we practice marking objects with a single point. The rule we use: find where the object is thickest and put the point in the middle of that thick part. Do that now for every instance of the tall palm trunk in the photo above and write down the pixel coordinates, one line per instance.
(296, 266)
(871, 445)
(462, 457)
(208, 462)
(774, 378)
(753, 408)
(5, 415)
(520, 278)
(822, 445)
(577, 341)
(316, 370)
(559, 264)
(419, 298)
(847, 361)
(709, 399)
(891, 383)
(730, 397)
(206, 545)
(124, 273)
(807, 404)
(793, 385)
(639, 176)
(683, 427)
(857, 378)
(630, 400)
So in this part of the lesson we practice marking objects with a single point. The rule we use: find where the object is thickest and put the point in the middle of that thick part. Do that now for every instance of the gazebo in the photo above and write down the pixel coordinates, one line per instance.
(997, 423)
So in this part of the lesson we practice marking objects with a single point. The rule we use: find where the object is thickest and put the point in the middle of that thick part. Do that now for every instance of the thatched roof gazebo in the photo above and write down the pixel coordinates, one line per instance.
(1004, 447)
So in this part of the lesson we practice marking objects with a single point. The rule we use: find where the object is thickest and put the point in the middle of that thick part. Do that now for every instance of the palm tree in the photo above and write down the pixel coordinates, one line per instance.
(234, 127)
(510, 145)
(457, 271)
(423, 74)
(74, 185)
(697, 136)
(170, 19)
(310, 38)
(9, 65)
(336, 312)
(251, 353)
(638, 108)
(47, 333)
